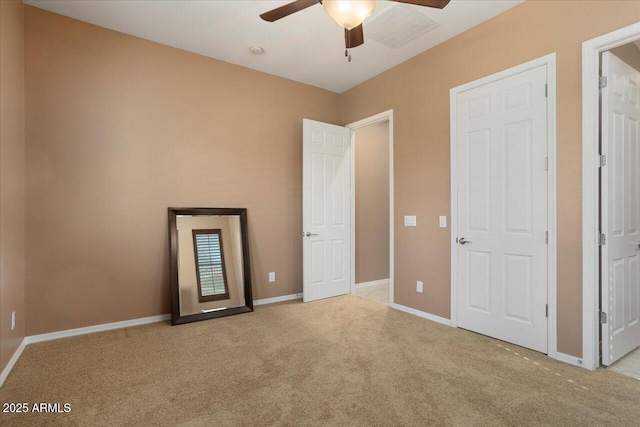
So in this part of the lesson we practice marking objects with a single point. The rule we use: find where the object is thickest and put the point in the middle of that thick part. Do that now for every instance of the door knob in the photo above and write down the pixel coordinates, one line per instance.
(462, 241)
(308, 234)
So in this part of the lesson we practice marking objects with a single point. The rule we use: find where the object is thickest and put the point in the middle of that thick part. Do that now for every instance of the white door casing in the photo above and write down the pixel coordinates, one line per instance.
(502, 210)
(620, 208)
(326, 210)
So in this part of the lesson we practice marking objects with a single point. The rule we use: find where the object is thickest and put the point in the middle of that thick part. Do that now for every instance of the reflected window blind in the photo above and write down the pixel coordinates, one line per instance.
(210, 268)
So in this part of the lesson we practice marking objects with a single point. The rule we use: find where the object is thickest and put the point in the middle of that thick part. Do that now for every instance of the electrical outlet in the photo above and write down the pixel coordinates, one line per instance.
(272, 277)
(13, 320)
(419, 286)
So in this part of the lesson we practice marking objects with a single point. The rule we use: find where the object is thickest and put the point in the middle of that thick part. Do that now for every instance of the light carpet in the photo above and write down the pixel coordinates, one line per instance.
(343, 361)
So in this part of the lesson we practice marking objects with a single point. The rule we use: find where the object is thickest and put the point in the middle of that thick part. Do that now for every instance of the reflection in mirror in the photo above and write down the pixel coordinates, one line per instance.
(211, 271)
(212, 263)
(209, 263)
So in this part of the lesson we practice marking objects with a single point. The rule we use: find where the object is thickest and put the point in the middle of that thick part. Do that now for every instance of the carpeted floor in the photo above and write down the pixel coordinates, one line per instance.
(342, 361)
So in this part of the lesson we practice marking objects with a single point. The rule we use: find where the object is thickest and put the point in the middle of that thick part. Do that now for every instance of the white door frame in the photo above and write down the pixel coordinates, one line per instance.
(382, 117)
(550, 62)
(591, 50)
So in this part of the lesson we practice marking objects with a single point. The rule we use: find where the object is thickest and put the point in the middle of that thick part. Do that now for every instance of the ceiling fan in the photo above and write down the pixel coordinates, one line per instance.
(349, 14)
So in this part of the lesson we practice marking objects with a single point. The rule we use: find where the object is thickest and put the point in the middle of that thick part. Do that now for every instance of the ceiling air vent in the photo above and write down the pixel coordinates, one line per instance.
(397, 25)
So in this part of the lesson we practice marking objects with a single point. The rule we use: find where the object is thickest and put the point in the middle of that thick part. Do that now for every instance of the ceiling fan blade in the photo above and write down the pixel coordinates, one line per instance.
(439, 4)
(354, 38)
(287, 9)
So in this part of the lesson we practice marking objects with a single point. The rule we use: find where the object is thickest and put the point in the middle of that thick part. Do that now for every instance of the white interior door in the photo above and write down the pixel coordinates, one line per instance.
(620, 194)
(501, 143)
(326, 212)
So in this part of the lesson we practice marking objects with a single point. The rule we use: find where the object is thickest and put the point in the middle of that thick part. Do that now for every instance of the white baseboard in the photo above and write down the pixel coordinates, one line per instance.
(96, 328)
(276, 299)
(7, 370)
(372, 283)
(571, 360)
(422, 314)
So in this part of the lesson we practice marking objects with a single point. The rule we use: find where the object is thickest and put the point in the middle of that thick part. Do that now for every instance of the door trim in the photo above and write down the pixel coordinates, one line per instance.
(550, 62)
(381, 117)
(591, 50)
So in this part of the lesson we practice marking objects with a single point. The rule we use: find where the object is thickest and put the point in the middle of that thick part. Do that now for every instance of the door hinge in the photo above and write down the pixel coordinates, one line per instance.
(546, 90)
(602, 240)
(546, 237)
(602, 82)
(546, 310)
(603, 317)
(602, 161)
(546, 163)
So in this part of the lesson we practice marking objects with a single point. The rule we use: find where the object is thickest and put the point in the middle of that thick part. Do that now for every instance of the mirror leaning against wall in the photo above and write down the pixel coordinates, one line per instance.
(209, 263)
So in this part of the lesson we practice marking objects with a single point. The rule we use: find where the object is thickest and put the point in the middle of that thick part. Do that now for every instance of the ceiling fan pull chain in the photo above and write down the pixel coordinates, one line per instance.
(346, 49)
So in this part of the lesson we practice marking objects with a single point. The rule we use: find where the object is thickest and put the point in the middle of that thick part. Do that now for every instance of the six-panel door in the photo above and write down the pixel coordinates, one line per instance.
(326, 210)
(502, 209)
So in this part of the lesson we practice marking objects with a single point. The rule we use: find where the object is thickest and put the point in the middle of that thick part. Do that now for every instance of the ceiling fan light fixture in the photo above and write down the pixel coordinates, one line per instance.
(349, 13)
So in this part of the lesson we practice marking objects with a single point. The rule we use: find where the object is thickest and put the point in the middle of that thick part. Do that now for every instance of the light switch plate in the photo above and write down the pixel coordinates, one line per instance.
(410, 221)
(443, 222)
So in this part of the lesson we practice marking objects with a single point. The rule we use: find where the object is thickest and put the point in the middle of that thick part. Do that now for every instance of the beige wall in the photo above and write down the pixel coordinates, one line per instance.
(629, 53)
(12, 181)
(119, 129)
(372, 202)
(232, 253)
(418, 91)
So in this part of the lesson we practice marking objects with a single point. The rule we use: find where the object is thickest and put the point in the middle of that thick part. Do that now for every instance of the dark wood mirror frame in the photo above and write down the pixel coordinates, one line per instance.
(176, 318)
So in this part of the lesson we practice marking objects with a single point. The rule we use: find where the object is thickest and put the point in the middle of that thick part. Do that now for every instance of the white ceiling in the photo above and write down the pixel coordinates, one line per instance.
(307, 46)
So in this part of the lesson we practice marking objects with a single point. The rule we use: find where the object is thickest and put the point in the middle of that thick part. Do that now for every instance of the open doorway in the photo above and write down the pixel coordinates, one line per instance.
(372, 208)
(329, 212)
(611, 201)
(620, 209)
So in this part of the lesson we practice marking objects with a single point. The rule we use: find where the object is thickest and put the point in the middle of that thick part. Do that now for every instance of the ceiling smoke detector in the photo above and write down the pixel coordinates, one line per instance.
(256, 50)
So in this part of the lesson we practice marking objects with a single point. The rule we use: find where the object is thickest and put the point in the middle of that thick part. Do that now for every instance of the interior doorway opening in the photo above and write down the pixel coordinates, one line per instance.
(619, 190)
(600, 267)
(372, 208)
